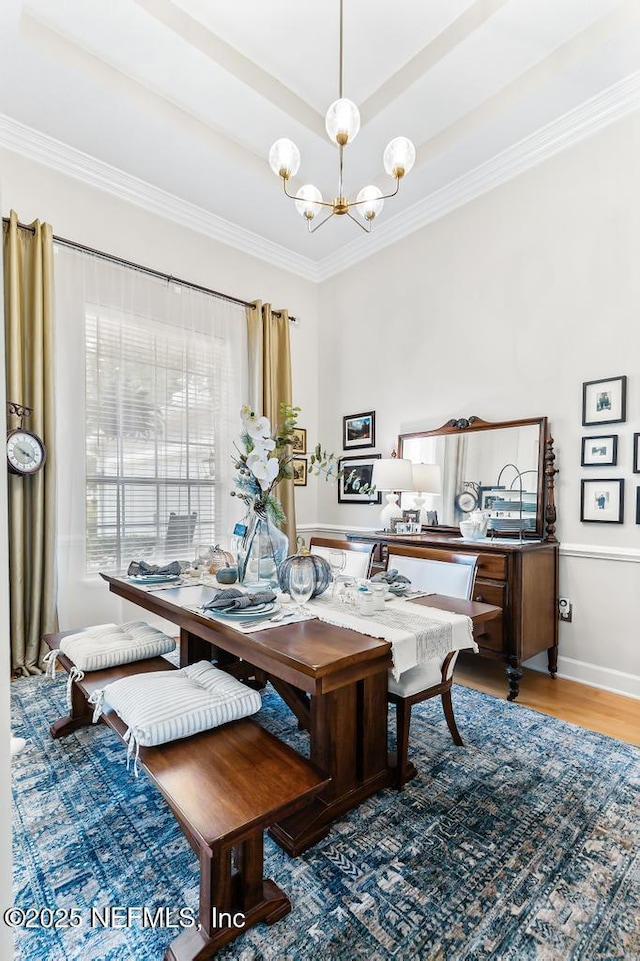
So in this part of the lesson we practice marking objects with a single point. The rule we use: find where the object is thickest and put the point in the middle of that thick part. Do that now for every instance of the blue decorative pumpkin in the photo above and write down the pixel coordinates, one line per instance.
(321, 571)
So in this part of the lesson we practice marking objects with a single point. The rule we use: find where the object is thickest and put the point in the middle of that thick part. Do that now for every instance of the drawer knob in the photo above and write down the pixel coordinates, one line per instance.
(480, 598)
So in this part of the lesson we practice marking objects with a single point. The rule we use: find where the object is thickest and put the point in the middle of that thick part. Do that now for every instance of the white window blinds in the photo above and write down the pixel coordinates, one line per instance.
(146, 436)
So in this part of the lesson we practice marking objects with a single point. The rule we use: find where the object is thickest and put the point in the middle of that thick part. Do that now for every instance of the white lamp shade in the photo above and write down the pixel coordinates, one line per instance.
(342, 121)
(399, 157)
(284, 158)
(307, 203)
(427, 478)
(392, 474)
(369, 202)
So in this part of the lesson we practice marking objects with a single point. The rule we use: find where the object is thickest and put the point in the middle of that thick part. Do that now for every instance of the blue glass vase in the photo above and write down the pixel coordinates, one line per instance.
(261, 552)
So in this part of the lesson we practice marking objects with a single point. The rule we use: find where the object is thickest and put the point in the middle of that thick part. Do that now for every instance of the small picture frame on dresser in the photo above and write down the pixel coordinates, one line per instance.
(604, 401)
(602, 501)
(636, 453)
(600, 451)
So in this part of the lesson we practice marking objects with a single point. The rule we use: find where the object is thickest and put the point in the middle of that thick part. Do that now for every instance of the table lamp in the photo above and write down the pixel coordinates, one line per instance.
(391, 474)
(426, 480)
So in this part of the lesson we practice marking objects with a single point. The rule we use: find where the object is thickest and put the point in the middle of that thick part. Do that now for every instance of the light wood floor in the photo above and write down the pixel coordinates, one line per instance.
(589, 707)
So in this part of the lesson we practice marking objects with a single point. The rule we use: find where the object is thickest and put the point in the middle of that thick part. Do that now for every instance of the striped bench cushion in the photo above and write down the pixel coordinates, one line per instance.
(169, 705)
(108, 645)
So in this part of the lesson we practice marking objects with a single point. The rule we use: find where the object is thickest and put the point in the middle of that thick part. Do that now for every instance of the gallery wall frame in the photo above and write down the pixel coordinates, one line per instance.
(636, 453)
(356, 473)
(601, 450)
(359, 430)
(602, 500)
(299, 469)
(604, 401)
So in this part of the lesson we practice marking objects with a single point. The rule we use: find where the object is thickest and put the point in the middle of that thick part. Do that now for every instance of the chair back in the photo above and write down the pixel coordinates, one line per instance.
(180, 530)
(358, 556)
(439, 572)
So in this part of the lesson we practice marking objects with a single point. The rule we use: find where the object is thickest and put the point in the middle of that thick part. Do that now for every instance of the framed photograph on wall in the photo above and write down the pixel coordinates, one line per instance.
(601, 451)
(299, 468)
(637, 505)
(604, 401)
(636, 453)
(357, 473)
(299, 440)
(359, 430)
(602, 501)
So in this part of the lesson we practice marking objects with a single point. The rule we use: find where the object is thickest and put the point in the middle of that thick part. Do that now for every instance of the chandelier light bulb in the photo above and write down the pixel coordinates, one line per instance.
(373, 204)
(308, 201)
(284, 158)
(399, 157)
(342, 122)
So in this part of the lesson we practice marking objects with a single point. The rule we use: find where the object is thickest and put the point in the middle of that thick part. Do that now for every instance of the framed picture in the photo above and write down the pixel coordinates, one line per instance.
(398, 525)
(357, 473)
(299, 440)
(299, 468)
(359, 430)
(604, 401)
(602, 501)
(411, 516)
(636, 453)
(600, 451)
(637, 505)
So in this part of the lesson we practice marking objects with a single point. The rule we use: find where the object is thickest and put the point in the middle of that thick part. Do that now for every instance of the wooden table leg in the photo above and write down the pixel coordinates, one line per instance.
(193, 648)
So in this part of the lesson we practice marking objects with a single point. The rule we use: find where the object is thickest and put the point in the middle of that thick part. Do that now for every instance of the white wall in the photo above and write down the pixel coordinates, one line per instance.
(96, 219)
(502, 309)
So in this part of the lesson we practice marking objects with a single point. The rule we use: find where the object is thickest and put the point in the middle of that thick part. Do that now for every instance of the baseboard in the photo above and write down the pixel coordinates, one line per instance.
(593, 675)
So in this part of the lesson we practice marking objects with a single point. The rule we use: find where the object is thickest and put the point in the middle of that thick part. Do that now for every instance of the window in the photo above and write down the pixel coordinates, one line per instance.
(151, 485)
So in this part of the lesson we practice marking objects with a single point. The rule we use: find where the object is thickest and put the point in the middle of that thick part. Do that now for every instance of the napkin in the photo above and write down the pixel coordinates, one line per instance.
(142, 569)
(392, 577)
(235, 600)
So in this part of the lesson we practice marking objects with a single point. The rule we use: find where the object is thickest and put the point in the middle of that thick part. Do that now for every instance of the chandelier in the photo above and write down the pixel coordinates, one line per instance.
(342, 123)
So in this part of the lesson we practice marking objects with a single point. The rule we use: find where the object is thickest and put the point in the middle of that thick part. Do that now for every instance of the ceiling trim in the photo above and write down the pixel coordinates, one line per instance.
(583, 121)
(46, 150)
(595, 114)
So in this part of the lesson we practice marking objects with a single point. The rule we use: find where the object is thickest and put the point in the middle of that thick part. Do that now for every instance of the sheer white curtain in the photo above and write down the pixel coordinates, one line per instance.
(150, 380)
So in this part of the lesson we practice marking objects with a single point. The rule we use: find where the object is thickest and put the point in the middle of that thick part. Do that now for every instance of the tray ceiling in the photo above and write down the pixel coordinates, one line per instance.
(188, 95)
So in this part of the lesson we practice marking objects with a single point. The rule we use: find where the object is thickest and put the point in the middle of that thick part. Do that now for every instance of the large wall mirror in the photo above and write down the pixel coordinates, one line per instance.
(494, 467)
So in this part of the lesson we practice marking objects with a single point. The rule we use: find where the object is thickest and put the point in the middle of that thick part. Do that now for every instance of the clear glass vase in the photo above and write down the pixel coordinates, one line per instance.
(261, 552)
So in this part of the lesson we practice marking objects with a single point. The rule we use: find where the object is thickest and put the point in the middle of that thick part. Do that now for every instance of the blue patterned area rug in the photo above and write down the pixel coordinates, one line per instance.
(520, 845)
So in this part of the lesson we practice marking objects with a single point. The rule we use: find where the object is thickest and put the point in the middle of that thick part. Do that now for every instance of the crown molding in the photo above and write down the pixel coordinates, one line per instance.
(46, 150)
(590, 117)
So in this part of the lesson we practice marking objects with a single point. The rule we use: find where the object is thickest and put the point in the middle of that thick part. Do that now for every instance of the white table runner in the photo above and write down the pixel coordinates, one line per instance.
(416, 633)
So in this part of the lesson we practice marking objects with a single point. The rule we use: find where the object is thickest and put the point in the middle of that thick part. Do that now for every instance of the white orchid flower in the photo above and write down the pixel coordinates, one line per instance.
(258, 428)
(261, 444)
(265, 470)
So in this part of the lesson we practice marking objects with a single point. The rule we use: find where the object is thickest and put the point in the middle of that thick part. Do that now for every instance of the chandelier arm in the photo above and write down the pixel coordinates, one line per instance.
(356, 203)
(366, 229)
(341, 153)
(312, 230)
(323, 203)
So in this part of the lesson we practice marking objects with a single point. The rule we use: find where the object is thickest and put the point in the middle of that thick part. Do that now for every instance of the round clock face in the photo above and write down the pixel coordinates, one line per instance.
(467, 501)
(25, 452)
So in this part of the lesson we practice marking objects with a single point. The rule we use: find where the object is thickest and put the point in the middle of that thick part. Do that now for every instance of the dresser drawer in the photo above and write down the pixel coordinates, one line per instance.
(492, 566)
(490, 592)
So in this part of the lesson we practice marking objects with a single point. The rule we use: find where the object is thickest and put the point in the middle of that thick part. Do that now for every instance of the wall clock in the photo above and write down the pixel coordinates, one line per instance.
(469, 498)
(26, 452)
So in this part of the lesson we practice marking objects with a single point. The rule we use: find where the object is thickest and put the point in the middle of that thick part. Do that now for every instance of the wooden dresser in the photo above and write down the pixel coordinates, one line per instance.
(522, 579)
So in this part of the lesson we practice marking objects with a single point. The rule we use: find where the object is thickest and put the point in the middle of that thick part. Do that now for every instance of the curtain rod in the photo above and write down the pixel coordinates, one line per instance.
(144, 270)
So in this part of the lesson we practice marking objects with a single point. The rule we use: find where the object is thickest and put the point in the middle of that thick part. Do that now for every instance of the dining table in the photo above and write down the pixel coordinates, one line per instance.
(334, 679)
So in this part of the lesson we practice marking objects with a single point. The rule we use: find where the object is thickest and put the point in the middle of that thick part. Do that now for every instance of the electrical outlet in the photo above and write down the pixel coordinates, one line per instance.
(565, 609)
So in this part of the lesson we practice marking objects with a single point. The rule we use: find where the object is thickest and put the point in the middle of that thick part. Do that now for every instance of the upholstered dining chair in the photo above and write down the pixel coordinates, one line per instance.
(438, 572)
(358, 556)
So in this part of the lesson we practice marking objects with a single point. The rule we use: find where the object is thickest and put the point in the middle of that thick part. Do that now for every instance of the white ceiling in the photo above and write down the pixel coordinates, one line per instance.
(188, 95)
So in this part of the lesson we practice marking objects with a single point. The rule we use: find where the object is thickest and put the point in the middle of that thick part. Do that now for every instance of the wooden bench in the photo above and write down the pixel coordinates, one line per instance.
(224, 787)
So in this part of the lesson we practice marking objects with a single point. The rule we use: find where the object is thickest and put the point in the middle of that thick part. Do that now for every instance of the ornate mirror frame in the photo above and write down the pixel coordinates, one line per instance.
(546, 510)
